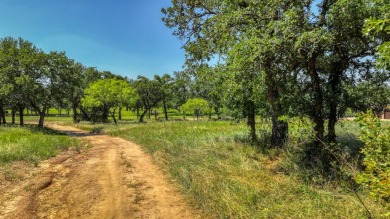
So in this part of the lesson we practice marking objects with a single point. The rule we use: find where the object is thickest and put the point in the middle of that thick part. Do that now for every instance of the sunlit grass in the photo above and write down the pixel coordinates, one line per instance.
(227, 178)
(31, 144)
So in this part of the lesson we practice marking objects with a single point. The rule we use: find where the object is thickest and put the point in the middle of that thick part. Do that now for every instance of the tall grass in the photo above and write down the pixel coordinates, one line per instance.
(227, 178)
(31, 144)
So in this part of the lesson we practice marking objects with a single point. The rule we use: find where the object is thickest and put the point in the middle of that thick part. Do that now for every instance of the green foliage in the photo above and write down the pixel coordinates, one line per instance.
(369, 95)
(379, 27)
(196, 107)
(108, 94)
(150, 93)
(376, 151)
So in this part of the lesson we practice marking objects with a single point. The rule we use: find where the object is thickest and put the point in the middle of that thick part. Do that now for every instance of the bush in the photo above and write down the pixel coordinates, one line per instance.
(376, 160)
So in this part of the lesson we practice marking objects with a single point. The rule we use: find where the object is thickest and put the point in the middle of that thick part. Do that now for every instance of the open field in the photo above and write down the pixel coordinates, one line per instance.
(216, 168)
(30, 143)
(230, 179)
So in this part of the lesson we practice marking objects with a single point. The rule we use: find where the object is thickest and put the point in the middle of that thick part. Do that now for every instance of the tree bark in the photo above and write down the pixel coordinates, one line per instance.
(251, 120)
(279, 128)
(2, 113)
(105, 113)
(21, 115)
(141, 118)
(13, 114)
(41, 118)
(332, 113)
(120, 113)
(317, 155)
(75, 115)
(317, 113)
(165, 110)
(334, 97)
(113, 116)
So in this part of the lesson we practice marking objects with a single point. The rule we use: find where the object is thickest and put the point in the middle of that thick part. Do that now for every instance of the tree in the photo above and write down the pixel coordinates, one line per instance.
(108, 95)
(195, 106)
(378, 26)
(297, 47)
(166, 83)
(75, 88)
(15, 56)
(225, 29)
(150, 94)
(8, 57)
(208, 84)
(181, 88)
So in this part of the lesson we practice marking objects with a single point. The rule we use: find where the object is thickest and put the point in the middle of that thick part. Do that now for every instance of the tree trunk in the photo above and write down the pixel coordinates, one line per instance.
(155, 115)
(279, 128)
(141, 118)
(75, 115)
(251, 120)
(165, 110)
(48, 111)
(279, 132)
(334, 97)
(41, 118)
(106, 112)
(317, 154)
(149, 113)
(85, 114)
(138, 113)
(21, 115)
(317, 113)
(113, 116)
(13, 114)
(2, 113)
(120, 113)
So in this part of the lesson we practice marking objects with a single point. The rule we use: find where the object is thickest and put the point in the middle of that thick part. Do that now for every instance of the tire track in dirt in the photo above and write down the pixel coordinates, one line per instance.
(114, 178)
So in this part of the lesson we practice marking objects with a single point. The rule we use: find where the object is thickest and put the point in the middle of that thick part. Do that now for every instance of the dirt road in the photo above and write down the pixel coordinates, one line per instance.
(113, 178)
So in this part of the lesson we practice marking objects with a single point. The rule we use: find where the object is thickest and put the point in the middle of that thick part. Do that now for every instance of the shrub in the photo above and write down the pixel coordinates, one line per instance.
(376, 160)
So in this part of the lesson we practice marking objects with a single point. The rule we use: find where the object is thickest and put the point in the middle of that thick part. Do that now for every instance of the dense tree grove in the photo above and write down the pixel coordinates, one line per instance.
(289, 58)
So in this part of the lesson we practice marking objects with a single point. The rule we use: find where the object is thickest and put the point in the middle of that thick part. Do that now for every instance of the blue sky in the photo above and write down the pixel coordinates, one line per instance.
(126, 37)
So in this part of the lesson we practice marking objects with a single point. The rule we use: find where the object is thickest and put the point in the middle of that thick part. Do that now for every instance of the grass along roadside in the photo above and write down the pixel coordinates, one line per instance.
(229, 179)
(32, 144)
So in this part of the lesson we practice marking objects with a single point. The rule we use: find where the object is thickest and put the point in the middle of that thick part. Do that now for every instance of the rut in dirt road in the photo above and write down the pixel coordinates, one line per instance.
(112, 179)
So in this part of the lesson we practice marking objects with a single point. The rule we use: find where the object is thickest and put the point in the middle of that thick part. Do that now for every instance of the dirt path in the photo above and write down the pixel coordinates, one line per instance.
(112, 179)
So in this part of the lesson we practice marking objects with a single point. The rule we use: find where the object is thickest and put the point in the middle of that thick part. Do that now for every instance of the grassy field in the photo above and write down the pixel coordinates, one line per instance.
(227, 178)
(127, 115)
(32, 144)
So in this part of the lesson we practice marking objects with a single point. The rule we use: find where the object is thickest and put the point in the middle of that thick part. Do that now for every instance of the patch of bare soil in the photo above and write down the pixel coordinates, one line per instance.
(112, 179)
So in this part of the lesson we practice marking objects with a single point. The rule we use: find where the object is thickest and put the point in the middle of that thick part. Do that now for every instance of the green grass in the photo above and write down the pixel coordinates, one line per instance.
(31, 144)
(227, 178)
